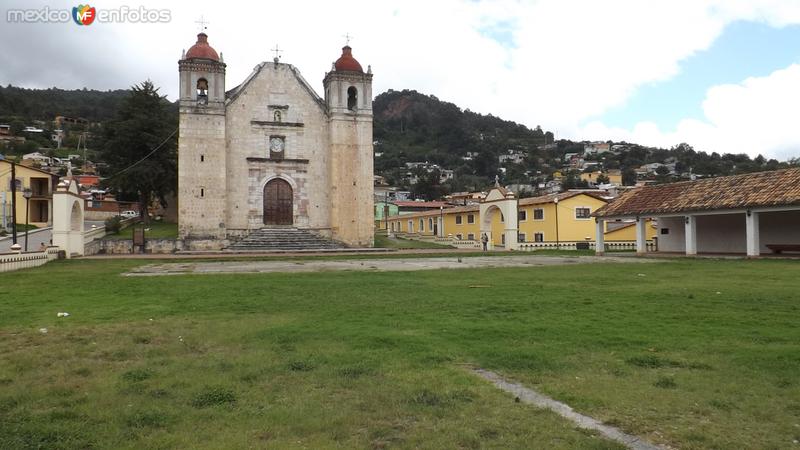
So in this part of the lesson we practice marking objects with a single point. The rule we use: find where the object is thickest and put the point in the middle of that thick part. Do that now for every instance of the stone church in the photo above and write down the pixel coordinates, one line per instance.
(271, 153)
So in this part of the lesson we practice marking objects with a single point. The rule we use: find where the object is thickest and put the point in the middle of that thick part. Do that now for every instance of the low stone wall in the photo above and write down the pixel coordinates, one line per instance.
(156, 246)
(16, 261)
(99, 215)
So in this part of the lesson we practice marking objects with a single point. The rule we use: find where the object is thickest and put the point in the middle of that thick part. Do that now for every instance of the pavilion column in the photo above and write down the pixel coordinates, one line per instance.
(753, 241)
(599, 240)
(641, 236)
(690, 234)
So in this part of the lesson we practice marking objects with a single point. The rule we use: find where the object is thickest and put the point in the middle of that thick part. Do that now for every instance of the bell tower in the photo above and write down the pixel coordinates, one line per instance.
(201, 143)
(348, 98)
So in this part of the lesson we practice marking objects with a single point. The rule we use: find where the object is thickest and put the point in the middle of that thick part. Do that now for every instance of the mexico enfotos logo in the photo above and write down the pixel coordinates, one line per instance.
(85, 15)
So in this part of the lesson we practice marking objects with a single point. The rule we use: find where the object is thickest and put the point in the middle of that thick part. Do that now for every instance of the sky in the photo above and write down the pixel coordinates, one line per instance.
(721, 75)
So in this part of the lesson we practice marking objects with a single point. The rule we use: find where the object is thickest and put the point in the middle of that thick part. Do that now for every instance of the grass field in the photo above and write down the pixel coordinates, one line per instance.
(689, 353)
(156, 230)
(383, 241)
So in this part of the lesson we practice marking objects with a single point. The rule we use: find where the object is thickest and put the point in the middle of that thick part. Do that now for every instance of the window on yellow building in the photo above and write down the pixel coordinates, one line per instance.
(582, 213)
(521, 237)
(538, 237)
(470, 218)
(458, 220)
(538, 214)
(522, 216)
(470, 236)
(421, 225)
(459, 236)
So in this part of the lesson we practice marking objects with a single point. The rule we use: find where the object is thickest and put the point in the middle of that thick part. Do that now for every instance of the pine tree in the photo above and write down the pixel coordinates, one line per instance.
(140, 147)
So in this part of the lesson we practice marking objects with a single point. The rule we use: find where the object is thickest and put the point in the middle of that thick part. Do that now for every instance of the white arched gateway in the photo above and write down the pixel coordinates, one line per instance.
(500, 200)
(68, 218)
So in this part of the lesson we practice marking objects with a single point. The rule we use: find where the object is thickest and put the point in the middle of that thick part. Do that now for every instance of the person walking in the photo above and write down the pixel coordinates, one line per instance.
(484, 241)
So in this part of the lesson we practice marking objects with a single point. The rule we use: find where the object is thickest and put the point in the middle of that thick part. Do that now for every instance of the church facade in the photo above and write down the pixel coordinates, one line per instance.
(271, 152)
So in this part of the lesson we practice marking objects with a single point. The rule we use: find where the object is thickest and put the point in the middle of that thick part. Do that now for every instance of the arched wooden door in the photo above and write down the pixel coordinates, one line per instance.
(278, 203)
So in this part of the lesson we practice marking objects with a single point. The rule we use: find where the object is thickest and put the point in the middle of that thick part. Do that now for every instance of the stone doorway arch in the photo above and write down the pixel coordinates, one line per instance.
(278, 202)
(499, 200)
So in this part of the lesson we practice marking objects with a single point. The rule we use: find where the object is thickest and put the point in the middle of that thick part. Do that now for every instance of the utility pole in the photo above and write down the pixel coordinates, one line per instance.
(13, 203)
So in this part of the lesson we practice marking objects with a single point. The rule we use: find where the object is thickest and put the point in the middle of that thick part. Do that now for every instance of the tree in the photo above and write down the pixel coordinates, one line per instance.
(628, 177)
(140, 147)
(603, 179)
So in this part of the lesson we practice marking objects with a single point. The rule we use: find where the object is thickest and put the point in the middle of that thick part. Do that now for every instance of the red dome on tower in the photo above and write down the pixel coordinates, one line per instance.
(202, 50)
(346, 62)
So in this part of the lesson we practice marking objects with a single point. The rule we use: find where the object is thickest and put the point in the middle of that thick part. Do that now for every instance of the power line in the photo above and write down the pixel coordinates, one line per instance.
(145, 156)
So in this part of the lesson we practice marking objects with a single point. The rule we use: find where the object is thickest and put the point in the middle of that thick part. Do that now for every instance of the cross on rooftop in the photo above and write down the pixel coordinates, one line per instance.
(347, 38)
(278, 52)
(202, 22)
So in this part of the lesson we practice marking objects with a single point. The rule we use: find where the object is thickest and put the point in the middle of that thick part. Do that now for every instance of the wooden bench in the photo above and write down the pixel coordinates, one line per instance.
(778, 248)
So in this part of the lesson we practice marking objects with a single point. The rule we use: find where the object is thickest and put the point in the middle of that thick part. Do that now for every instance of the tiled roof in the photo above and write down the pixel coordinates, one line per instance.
(455, 210)
(561, 196)
(760, 189)
(413, 204)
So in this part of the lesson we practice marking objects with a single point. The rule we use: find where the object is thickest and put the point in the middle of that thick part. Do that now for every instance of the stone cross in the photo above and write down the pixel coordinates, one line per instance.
(202, 22)
(497, 180)
(347, 38)
(278, 52)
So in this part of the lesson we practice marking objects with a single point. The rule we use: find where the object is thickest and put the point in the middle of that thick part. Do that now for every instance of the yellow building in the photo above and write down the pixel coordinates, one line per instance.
(626, 231)
(564, 218)
(41, 185)
(536, 217)
(614, 176)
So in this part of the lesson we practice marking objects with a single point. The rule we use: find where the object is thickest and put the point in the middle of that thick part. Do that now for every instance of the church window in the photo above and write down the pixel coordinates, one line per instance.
(421, 225)
(277, 116)
(202, 192)
(352, 98)
(202, 91)
(202, 158)
(430, 224)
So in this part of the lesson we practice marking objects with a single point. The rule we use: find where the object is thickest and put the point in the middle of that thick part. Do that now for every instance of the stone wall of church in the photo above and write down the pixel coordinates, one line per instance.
(352, 175)
(301, 123)
(201, 175)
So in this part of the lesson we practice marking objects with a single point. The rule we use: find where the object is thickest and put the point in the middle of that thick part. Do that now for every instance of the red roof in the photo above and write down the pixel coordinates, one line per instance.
(412, 204)
(202, 50)
(752, 190)
(346, 62)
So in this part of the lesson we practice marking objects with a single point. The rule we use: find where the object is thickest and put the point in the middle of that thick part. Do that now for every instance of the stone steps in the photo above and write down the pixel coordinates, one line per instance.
(284, 239)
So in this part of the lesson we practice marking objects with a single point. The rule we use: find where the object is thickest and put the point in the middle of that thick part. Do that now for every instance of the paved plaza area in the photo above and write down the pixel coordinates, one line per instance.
(382, 264)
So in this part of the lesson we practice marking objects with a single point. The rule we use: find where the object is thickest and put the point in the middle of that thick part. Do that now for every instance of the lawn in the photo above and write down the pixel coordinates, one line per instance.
(383, 241)
(688, 353)
(156, 230)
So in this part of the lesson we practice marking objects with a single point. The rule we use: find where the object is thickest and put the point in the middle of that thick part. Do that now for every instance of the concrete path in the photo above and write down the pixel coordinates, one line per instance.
(532, 397)
(382, 265)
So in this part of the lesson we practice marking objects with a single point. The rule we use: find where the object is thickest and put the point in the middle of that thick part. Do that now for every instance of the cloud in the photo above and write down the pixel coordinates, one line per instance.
(549, 62)
(757, 116)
